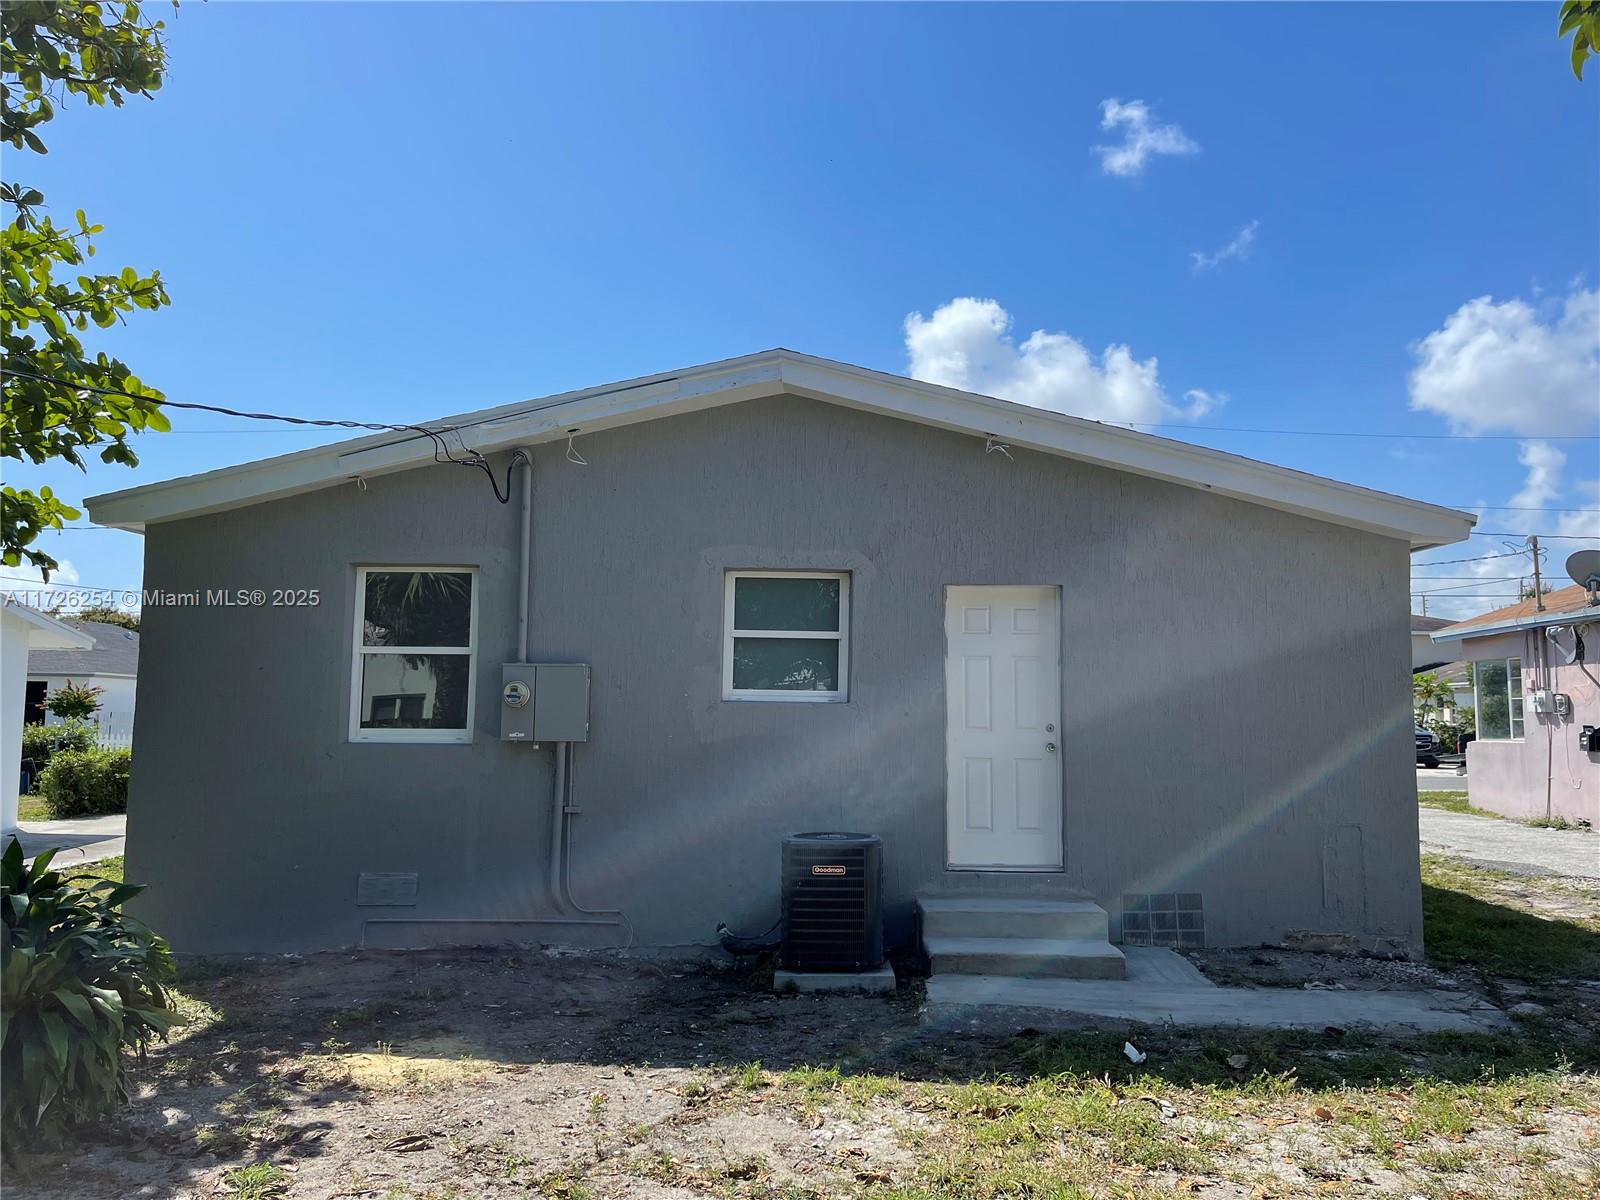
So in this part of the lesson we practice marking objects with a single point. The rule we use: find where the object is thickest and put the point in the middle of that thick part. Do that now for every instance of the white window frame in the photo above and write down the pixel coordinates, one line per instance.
(782, 695)
(1519, 698)
(360, 652)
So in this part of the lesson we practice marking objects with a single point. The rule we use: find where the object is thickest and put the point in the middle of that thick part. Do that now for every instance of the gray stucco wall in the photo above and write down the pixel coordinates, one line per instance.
(1235, 709)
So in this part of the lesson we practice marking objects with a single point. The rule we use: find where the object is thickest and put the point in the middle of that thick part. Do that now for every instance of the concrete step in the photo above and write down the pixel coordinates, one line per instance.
(1058, 958)
(995, 916)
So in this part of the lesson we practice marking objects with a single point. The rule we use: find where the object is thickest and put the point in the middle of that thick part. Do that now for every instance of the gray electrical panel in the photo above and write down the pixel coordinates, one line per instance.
(544, 702)
(561, 702)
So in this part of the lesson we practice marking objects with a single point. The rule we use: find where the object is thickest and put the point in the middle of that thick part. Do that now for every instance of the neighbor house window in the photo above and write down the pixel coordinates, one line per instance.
(416, 630)
(1498, 707)
(787, 635)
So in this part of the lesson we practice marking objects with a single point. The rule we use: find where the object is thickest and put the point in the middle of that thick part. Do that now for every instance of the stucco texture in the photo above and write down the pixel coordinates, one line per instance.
(1543, 774)
(1236, 715)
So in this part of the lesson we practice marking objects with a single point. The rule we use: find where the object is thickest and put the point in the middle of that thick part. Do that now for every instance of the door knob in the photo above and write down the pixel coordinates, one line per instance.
(1050, 746)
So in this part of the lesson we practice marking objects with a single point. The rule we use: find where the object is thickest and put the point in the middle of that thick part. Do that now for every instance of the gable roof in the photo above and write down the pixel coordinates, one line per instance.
(113, 650)
(43, 629)
(777, 372)
(1422, 624)
(1564, 606)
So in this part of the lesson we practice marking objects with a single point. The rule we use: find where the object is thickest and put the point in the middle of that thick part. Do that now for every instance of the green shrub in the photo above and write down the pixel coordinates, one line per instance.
(72, 701)
(86, 783)
(79, 983)
(40, 742)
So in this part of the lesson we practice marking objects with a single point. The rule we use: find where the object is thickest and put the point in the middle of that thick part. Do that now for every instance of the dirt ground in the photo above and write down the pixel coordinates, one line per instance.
(398, 1074)
(437, 1076)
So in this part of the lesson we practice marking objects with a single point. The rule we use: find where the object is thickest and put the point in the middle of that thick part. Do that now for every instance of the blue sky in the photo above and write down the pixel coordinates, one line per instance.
(397, 211)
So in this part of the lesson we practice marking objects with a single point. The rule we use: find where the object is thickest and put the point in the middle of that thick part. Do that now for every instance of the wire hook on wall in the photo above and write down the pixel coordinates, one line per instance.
(992, 446)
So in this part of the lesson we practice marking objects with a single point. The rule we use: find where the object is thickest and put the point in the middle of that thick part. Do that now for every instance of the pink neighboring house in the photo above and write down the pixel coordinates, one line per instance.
(1536, 687)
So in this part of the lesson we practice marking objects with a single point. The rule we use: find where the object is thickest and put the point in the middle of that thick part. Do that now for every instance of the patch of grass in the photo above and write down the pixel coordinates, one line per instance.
(1465, 925)
(32, 808)
(1455, 802)
(256, 1182)
(1551, 823)
(104, 868)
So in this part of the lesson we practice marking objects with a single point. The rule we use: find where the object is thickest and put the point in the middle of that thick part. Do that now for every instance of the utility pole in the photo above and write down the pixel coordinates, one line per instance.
(1538, 584)
(1424, 603)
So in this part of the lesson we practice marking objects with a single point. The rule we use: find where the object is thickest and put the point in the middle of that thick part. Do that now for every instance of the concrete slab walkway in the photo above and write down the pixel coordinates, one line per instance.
(1164, 988)
(1509, 846)
(1441, 779)
(77, 841)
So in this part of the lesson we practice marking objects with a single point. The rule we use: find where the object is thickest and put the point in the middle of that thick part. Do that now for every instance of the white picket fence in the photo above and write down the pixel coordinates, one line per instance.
(111, 730)
(114, 730)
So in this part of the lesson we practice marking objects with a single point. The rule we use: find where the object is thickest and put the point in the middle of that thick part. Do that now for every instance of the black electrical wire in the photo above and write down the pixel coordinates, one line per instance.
(441, 448)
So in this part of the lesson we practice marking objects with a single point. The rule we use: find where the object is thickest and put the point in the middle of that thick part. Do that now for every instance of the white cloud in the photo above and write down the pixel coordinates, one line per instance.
(1142, 137)
(1239, 248)
(26, 585)
(1544, 464)
(1500, 367)
(23, 577)
(967, 344)
(1492, 583)
(1201, 403)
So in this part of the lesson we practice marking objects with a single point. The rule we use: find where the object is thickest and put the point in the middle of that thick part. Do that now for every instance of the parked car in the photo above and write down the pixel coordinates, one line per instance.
(1427, 749)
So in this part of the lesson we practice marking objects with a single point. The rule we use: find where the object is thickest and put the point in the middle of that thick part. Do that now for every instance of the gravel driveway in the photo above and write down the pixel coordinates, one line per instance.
(1508, 846)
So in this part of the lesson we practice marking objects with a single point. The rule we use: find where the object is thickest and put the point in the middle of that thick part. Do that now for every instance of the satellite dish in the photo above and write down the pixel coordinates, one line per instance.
(1584, 567)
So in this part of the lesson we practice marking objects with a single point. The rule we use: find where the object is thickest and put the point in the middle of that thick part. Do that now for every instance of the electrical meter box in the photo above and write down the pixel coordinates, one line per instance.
(544, 702)
(517, 682)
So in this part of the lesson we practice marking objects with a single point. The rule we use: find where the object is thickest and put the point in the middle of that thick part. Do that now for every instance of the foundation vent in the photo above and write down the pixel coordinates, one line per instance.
(1175, 919)
(386, 887)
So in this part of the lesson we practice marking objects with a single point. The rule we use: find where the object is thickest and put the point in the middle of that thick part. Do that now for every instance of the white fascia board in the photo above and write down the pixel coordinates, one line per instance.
(44, 631)
(1423, 525)
(774, 372)
(486, 430)
(1577, 616)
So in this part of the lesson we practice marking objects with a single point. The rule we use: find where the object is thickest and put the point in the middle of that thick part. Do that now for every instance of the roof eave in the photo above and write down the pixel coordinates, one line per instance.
(774, 372)
(1576, 616)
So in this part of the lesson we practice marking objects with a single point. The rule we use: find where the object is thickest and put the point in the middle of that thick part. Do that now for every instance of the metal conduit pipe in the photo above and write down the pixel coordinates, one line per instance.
(527, 552)
(557, 884)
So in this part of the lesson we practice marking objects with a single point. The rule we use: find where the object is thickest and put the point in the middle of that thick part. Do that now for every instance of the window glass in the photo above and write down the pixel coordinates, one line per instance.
(786, 664)
(414, 659)
(417, 608)
(421, 691)
(1494, 708)
(1514, 689)
(785, 604)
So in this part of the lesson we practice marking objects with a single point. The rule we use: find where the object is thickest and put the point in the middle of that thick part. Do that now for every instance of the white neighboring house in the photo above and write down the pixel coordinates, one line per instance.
(110, 663)
(1427, 654)
(1441, 659)
(23, 631)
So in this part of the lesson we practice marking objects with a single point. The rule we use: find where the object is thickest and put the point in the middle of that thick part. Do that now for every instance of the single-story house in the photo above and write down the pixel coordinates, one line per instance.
(23, 631)
(1536, 676)
(1427, 654)
(1052, 663)
(110, 664)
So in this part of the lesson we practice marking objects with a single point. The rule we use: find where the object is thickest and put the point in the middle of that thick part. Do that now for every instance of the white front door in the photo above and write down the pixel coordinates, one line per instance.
(1003, 727)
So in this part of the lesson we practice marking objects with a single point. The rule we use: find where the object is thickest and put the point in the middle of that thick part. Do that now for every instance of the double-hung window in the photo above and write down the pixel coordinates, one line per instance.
(786, 635)
(1497, 685)
(416, 633)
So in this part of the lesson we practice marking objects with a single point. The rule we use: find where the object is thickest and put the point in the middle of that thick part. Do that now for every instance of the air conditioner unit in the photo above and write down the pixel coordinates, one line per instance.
(832, 902)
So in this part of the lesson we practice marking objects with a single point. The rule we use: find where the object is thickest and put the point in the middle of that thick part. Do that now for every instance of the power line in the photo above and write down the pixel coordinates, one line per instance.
(1460, 586)
(1450, 562)
(441, 448)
